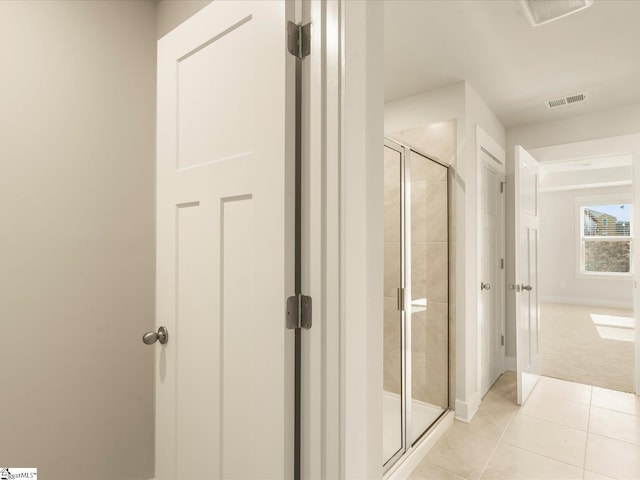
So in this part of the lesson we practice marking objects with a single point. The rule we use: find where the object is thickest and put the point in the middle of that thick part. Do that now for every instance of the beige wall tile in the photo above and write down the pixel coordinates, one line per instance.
(418, 271)
(391, 269)
(392, 359)
(437, 329)
(436, 281)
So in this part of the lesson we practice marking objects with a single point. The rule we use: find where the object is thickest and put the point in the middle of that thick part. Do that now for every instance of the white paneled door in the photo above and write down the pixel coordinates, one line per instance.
(527, 221)
(224, 381)
(491, 276)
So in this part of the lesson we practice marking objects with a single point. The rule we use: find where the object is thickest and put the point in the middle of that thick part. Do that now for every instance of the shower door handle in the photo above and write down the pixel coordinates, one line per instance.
(162, 336)
(401, 299)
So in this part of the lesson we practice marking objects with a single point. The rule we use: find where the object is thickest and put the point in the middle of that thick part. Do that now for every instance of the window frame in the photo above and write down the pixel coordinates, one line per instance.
(594, 200)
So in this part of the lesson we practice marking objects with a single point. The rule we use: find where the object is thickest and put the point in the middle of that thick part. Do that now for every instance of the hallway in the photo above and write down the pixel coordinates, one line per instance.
(565, 431)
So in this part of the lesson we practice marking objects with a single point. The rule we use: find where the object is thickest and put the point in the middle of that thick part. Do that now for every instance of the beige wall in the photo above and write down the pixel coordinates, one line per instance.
(172, 13)
(77, 141)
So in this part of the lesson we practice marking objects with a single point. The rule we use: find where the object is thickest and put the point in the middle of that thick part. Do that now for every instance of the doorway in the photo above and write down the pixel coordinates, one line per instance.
(586, 258)
(416, 310)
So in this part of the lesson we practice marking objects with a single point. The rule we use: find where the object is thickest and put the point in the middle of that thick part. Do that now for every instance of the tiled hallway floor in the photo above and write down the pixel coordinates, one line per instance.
(564, 431)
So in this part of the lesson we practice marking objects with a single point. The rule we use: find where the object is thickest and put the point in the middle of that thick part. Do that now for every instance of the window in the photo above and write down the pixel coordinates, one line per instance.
(605, 238)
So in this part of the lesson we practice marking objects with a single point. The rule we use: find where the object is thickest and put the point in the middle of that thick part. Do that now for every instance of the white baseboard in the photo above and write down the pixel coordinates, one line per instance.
(510, 363)
(589, 302)
(466, 410)
(406, 466)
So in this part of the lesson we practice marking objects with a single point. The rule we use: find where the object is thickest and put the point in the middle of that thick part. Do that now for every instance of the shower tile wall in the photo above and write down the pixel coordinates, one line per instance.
(392, 347)
(430, 351)
(429, 279)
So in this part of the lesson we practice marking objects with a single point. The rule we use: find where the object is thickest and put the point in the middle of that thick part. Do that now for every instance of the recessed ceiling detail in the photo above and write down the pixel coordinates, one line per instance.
(563, 101)
(539, 12)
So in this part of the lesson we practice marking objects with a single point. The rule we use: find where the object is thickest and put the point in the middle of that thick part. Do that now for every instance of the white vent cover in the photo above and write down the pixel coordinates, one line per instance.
(539, 12)
(568, 100)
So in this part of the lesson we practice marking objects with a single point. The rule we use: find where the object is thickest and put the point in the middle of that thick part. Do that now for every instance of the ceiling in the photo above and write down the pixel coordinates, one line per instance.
(514, 67)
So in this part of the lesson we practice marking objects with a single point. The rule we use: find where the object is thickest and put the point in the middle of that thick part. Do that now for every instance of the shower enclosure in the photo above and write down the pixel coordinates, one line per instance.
(416, 303)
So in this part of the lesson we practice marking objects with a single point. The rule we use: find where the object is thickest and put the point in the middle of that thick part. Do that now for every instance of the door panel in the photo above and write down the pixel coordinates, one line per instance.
(392, 420)
(491, 274)
(526, 275)
(224, 245)
(428, 313)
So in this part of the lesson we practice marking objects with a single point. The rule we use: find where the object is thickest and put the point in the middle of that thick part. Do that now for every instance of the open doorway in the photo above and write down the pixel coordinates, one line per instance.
(586, 271)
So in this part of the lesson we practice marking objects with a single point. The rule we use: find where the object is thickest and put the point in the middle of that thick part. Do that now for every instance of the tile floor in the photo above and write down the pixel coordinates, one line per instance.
(564, 431)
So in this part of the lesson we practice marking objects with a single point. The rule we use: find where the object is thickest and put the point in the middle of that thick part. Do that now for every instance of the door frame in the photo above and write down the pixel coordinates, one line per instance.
(618, 145)
(486, 144)
(342, 253)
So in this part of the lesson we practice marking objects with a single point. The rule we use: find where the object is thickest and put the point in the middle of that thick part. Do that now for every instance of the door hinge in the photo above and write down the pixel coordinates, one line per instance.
(299, 309)
(502, 264)
(502, 184)
(299, 39)
(502, 340)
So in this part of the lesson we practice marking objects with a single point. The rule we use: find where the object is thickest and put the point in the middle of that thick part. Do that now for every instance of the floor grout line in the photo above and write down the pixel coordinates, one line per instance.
(543, 456)
(557, 423)
(493, 452)
(586, 443)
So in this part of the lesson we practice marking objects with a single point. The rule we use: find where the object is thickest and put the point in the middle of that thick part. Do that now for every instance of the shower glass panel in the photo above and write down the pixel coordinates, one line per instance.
(416, 298)
(393, 275)
(429, 292)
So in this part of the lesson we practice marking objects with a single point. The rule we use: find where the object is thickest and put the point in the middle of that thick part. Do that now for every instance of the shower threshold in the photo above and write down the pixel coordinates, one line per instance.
(423, 415)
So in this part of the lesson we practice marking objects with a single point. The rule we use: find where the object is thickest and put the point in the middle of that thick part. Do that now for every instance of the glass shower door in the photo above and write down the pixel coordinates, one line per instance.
(429, 290)
(416, 298)
(392, 401)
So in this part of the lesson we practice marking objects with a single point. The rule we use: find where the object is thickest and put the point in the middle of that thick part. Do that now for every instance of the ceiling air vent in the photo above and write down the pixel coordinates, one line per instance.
(568, 100)
(539, 12)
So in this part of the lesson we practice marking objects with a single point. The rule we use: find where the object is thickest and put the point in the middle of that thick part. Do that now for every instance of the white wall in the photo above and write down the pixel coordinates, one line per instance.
(477, 113)
(606, 123)
(77, 142)
(362, 224)
(558, 282)
(460, 102)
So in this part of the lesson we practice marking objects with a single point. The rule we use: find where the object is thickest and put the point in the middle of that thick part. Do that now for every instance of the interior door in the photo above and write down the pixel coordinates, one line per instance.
(526, 170)
(224, 393)
(491, 345)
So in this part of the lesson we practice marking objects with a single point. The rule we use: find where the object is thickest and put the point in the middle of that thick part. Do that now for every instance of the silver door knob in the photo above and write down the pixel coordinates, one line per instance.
(528, 288)
(485, 286)
(162, 336)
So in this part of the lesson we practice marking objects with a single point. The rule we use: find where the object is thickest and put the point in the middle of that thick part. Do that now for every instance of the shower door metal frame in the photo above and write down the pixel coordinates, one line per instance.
(404, 385)
(407, 444)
